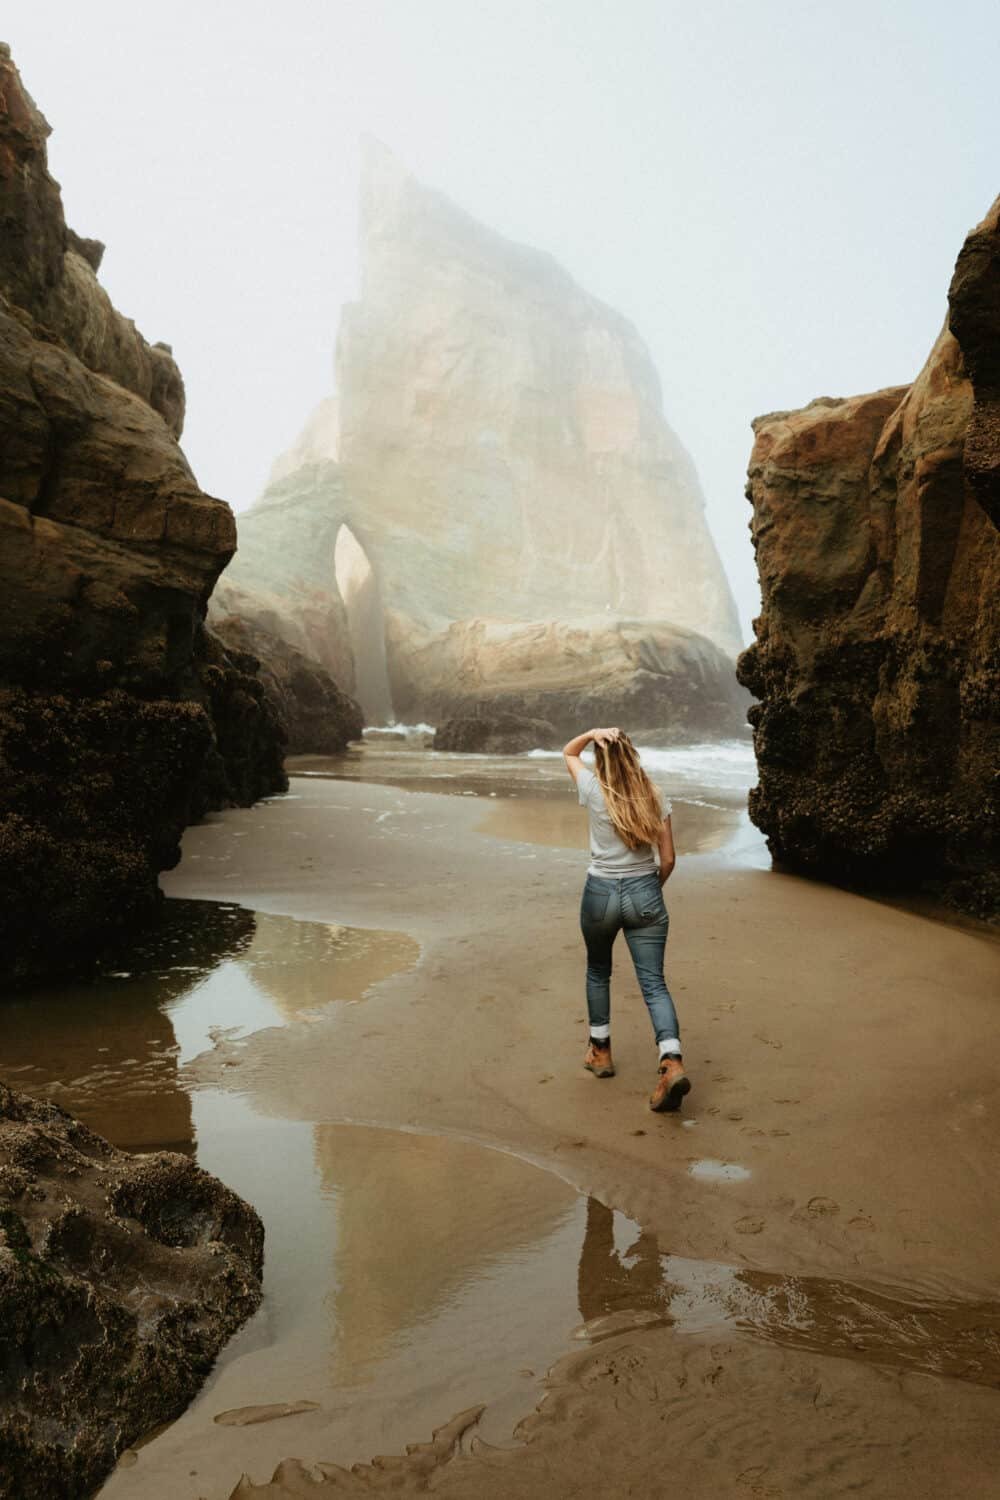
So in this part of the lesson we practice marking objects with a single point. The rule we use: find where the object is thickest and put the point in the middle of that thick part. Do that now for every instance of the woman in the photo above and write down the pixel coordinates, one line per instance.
(628, 830)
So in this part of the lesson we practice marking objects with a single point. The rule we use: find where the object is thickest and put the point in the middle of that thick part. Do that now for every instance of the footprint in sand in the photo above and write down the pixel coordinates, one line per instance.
(821, 1208)
(722, 1078)
(748, 1225)
(767, 1041)
(861, 1221)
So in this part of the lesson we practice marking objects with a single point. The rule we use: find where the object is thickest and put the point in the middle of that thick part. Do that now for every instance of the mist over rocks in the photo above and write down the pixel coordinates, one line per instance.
(497, 451)
(121, 718)
(877, 652)
(121, 1277)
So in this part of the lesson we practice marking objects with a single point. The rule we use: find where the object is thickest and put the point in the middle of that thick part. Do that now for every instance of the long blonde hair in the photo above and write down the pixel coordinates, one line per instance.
(633, 802)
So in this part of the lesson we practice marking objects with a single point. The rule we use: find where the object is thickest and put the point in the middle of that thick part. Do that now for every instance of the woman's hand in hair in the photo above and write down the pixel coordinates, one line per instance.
(604, 736)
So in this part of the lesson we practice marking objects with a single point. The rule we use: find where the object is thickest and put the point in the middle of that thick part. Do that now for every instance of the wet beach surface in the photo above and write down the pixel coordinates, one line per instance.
(453, 1207)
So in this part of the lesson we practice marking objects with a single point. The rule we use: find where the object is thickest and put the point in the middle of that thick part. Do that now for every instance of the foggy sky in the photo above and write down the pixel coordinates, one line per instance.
(774, 192)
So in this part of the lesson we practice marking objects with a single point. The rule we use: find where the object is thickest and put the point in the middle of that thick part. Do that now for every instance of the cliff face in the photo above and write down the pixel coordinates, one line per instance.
(877, 658)
(121, 718)
(497, 451)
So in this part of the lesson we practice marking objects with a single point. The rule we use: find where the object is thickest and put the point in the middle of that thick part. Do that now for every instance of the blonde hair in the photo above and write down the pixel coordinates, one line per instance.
(633, 801)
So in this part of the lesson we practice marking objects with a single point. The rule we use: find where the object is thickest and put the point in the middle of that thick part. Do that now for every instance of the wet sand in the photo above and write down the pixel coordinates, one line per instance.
(789, 1288)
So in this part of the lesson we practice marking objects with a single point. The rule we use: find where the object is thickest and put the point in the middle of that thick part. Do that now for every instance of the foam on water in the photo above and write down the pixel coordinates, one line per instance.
(728, 765)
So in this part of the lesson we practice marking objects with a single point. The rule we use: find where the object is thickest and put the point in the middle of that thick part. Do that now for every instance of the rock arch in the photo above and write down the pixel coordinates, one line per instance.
(358, 588)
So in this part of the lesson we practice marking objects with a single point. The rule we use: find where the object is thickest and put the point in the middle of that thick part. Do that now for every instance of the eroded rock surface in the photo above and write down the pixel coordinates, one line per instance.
(121, 719)
(121, 1277)
(498, 450)
(319, 719)
(877, 658)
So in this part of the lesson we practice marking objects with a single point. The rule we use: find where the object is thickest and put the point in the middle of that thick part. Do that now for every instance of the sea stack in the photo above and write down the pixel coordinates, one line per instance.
(496, 451)
(877, 658)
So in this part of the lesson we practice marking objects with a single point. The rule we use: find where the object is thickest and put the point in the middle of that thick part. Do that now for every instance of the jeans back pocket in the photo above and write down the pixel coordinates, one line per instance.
(594, 903)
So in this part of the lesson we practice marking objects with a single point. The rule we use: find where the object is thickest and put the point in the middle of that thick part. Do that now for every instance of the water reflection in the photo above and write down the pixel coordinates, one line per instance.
(611, 1280)
(106, 1048)
(109, 1049)
(302, 966)
(822, 1315)
(420, 1220)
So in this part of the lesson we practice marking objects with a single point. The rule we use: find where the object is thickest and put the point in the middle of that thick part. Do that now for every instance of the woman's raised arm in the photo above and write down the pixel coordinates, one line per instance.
(573, 749)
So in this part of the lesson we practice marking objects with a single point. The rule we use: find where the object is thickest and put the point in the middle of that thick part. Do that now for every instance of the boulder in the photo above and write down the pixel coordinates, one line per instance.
(877, 652)
(120, 719)
(121, 1278)
(499, 733)
(498, 458)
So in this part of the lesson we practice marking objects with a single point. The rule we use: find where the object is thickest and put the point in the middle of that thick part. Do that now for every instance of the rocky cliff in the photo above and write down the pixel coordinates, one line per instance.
(121, 1277)
(319, 718)
(877, 652)
(121, 717)
(498, 456)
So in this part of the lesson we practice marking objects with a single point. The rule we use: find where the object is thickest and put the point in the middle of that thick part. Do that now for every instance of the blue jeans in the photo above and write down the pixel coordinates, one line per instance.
(634, 904)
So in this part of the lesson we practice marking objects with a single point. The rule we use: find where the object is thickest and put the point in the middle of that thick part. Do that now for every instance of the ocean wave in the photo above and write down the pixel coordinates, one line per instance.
(727, 764)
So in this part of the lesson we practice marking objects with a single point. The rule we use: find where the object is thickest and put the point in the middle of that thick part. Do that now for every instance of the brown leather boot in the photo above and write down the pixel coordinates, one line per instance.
(671, 1086)
(598, 1061)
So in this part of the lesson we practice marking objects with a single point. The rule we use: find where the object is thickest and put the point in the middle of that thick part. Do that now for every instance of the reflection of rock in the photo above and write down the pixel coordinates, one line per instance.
(121, 719)
(493, 733)
(303, 965)
(876, 657)
(609, 1282)
(120, 1279)
(319, 719)
(460, 1210)
(498, 452)
(106, 1050)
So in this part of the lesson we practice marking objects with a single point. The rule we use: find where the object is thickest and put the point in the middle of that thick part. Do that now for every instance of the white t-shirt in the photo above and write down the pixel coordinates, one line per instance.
(609, 854)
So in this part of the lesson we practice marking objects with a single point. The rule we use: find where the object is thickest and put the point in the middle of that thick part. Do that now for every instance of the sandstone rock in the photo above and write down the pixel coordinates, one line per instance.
(877, 658)
(974, 318)
(49, 270)
(284, 580)
(120, 720)
(498, 454)
(319, 719)
(656, 680)
(488, 733)
(121, 1277)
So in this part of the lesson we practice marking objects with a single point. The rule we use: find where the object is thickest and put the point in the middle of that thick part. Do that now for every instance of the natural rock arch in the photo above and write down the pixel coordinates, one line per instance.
(359, 589)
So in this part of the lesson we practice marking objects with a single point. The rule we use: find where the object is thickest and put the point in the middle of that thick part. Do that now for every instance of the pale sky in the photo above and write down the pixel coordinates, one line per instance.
(774, 192)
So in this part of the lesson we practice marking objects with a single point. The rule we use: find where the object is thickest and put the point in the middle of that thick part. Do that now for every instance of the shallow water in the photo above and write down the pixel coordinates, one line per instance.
(111, 1049)
(532, 800)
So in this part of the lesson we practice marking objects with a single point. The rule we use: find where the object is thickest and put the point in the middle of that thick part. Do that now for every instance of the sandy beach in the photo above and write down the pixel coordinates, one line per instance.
(788, 1288)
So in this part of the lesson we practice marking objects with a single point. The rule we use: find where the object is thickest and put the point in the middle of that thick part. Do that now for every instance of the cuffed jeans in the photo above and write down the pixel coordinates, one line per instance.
(634, 905)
